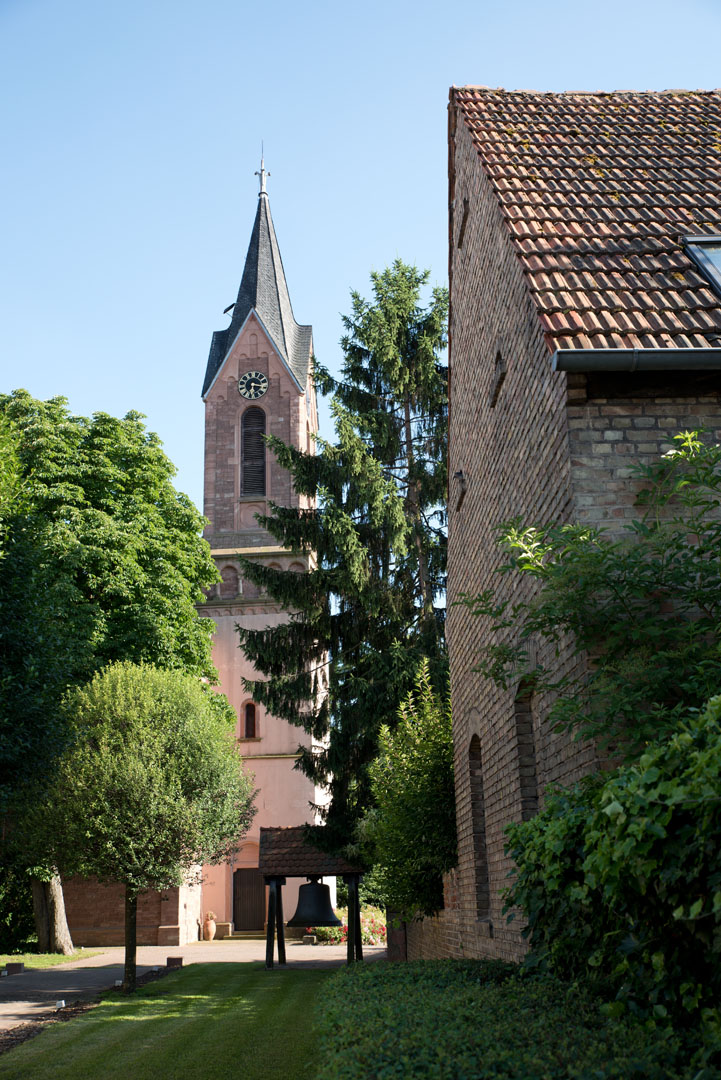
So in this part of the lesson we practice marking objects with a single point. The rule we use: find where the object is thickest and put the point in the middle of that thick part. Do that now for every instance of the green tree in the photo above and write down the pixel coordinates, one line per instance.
(412, 829)
(9, 475)
(371, 608)
(150, 787)
(103, 560)
(645, 607)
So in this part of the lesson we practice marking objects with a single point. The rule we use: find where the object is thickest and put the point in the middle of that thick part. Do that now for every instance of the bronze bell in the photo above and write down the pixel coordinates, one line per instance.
(314, 907)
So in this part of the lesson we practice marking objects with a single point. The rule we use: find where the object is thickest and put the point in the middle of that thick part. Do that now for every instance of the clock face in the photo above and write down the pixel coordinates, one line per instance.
(252, 385)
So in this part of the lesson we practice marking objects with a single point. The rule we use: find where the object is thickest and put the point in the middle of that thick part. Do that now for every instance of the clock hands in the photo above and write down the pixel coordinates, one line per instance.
(252, 385)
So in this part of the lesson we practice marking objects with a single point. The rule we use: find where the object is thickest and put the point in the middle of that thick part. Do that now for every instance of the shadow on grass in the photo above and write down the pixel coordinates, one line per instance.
(207, 1021)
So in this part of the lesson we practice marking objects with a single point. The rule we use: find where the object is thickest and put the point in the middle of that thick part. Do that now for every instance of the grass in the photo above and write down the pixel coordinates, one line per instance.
(206, 1022)
(45, 960)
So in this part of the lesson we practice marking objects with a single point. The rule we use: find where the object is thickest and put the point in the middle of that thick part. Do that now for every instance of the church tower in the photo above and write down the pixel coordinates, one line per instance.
(257, 382)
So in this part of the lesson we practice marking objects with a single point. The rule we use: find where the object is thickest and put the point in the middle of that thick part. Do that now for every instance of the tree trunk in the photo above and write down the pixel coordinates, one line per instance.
(131, 940)
(413, 508)
(40, 912)
(51, 924)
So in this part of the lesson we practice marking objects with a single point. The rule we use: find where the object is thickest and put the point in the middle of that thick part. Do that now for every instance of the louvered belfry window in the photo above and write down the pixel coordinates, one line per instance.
(252, 479)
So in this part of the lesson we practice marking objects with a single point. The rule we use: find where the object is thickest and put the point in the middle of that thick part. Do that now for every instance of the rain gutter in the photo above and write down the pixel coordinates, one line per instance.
(637, 360)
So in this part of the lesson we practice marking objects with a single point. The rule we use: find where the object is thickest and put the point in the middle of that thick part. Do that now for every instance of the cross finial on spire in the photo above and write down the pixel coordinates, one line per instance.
(262, 174)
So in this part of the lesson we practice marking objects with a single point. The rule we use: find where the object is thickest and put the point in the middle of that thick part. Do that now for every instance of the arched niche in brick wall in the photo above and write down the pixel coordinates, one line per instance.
(524, 723)
(230, 584)
(478, 818)
(251, 591)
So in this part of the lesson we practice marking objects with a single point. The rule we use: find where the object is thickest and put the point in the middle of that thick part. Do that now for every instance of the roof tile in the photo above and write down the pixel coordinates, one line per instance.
(597, 190)
(287, 852)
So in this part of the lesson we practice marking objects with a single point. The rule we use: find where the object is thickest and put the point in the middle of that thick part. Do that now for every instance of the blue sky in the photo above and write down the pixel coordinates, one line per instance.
(132, 131)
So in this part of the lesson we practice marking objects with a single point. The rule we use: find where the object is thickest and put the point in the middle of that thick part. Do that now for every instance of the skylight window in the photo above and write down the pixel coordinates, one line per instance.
(706, 253)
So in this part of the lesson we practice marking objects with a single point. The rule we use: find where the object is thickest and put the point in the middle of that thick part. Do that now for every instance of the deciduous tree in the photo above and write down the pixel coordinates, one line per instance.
(103, 561)
(412, 830)
(149, 788)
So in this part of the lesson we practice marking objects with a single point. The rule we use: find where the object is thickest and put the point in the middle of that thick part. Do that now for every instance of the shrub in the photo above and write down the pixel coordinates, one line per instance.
(472, 1020)
(17, 926)
(412, 831)
(621, 877)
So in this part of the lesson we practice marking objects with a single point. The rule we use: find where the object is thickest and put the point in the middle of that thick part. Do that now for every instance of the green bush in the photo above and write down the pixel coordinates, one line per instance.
(473, 1020)
(621, 877)
(17, 925)
(412, 830)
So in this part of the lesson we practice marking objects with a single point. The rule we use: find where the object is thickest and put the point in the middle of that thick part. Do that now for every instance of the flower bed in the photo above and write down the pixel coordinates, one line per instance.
(373, 928)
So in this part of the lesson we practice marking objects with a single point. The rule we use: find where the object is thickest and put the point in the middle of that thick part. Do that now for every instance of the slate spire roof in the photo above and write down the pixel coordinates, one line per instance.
(263, 289)
(596, 191)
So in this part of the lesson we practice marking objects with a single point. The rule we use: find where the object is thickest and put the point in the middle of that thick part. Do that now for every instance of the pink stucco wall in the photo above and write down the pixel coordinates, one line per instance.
(284, 794)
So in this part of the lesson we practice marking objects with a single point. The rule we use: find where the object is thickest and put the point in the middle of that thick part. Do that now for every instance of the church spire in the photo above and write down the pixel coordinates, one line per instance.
(263, 290)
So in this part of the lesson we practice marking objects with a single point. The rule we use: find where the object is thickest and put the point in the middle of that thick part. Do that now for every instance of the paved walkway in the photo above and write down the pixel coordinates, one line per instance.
(33, 994)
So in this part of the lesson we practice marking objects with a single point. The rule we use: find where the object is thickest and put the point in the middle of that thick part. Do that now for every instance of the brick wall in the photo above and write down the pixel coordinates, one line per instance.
(285, 409)
(617, 420)
(542, 446)
(96, 914)
(439, 938)
(509, 436)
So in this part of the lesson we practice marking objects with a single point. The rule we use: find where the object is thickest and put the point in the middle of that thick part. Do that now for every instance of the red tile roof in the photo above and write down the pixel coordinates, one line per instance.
(596, 190)
(285, 852)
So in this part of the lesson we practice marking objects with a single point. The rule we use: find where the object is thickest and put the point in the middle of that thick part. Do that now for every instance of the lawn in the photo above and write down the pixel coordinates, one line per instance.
(45, 960)
(206, 1022)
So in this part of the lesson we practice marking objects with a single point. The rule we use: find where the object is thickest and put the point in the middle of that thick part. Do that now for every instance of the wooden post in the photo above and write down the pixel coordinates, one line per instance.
(352, 881)
(358, 932)
(279, 917)
(270, 933)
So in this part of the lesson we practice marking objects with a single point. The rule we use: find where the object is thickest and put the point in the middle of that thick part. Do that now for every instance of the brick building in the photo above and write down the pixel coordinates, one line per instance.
(257, 382)
(585, 330)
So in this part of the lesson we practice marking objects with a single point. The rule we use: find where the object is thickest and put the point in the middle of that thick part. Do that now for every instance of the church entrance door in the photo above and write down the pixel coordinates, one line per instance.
(248, 899)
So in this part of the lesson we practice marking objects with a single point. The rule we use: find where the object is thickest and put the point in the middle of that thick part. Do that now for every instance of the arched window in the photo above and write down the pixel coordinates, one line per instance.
(252, 469)
(249, 725)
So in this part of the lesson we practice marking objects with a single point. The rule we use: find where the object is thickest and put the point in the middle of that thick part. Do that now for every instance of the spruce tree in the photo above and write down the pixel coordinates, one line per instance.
(372, 606)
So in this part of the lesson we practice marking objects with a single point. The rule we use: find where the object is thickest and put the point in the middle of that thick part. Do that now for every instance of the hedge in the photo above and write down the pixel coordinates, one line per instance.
(483, 1020)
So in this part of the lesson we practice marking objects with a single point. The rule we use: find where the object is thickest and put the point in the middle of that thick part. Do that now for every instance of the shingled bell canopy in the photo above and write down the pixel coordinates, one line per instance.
(288, 852)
